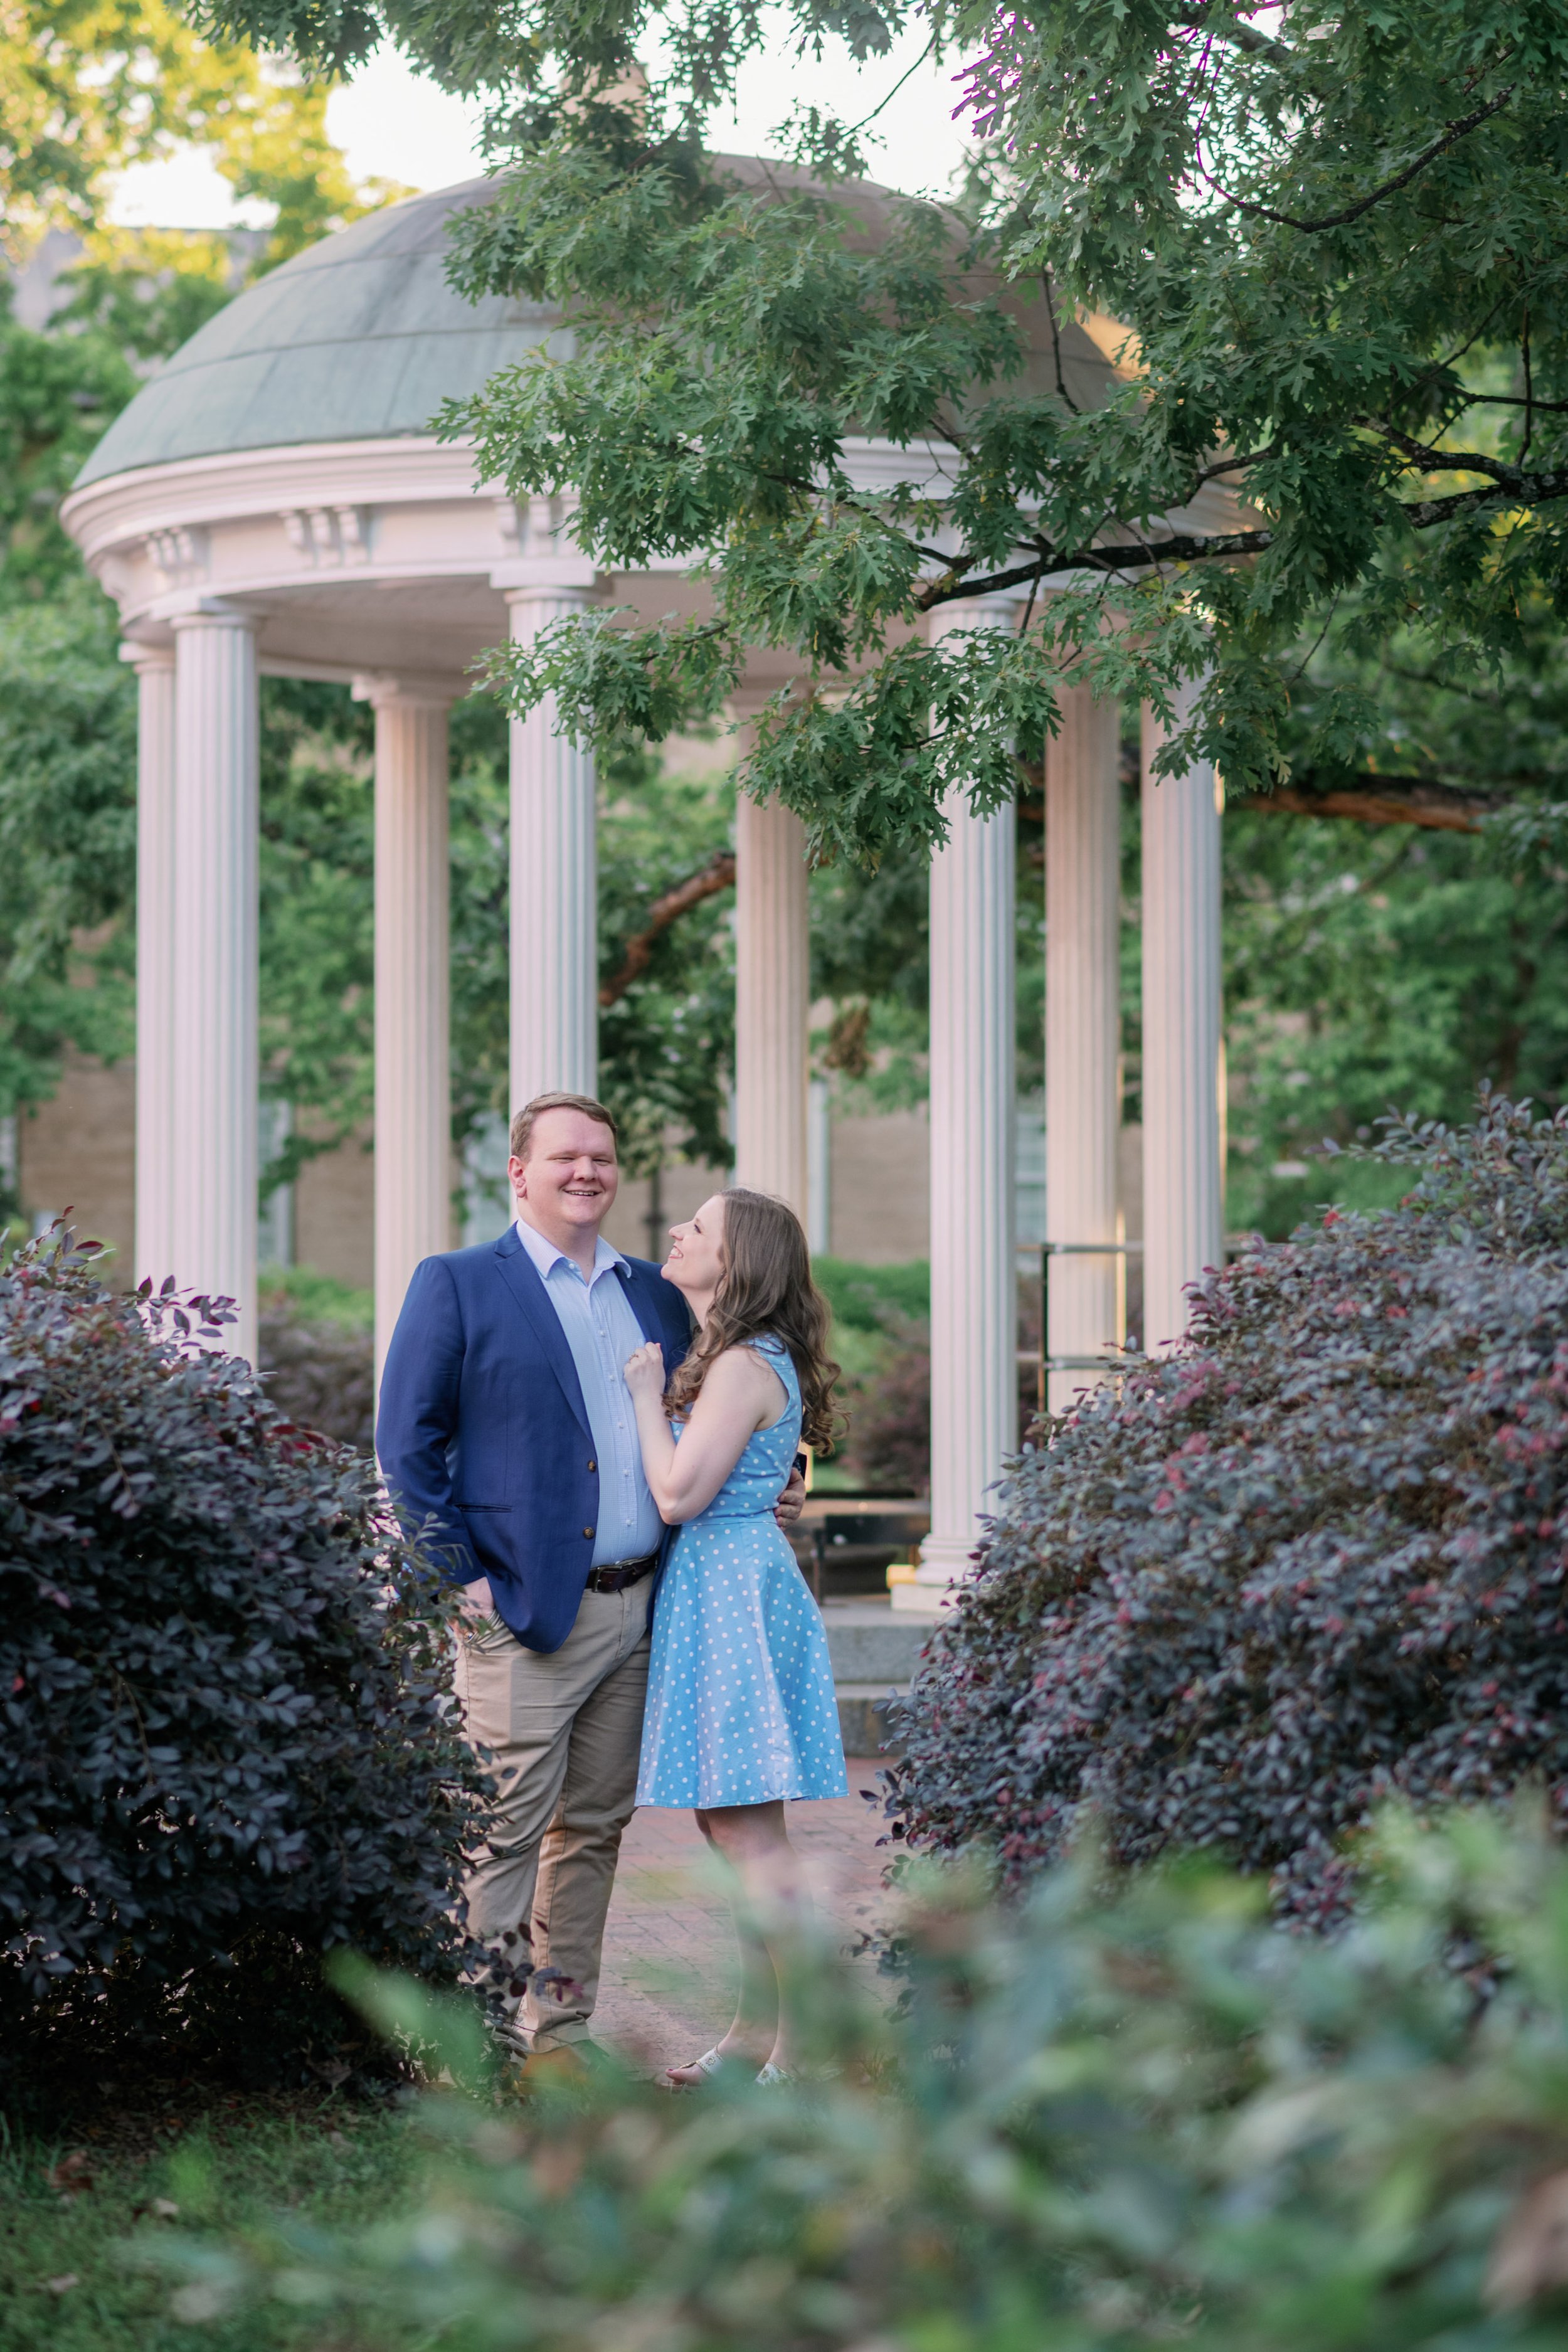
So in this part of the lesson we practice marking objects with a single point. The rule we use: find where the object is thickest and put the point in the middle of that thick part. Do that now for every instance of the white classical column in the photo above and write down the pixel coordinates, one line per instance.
(413, 989)
(554, 880)
(818, 1167)
(974, 1308)
(1183, 1174)
(773, 971)
(1083, 1088)
(215, 980)
(154, 1244)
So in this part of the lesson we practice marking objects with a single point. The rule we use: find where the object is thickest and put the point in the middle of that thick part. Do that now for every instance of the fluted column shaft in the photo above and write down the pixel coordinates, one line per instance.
(413, 1048)
(1182, 1176)
(1083, 1090)
(974, 1317)
(212, 1192)
(154, 1243)
(553, 888)
(772, 968)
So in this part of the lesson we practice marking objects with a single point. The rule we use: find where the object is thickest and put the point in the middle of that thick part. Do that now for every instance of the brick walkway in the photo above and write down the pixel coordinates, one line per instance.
(668, 1988)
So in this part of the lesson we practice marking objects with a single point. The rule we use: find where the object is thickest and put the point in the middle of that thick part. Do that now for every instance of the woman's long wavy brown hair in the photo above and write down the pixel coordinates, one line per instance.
(766, 1289)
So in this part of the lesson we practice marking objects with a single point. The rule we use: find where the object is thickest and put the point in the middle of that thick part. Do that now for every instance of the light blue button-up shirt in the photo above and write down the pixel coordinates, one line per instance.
(601, 1330)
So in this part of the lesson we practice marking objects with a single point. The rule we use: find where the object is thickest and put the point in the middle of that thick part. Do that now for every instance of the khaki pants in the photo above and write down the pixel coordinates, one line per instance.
(563, 1733)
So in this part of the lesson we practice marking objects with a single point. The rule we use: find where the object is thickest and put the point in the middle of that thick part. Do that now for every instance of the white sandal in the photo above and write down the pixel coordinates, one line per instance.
(772, 2074)
(707, 2064)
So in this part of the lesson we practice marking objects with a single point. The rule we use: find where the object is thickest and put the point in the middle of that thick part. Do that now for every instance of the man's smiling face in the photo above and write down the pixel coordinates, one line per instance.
(567, 1184)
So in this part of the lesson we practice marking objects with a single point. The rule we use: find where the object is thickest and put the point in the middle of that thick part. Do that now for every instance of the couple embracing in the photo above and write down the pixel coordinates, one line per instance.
(602, 1450)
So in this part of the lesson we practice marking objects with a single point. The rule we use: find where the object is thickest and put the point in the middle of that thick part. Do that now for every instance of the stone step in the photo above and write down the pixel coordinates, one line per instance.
(863, 1721)
(868, 1643)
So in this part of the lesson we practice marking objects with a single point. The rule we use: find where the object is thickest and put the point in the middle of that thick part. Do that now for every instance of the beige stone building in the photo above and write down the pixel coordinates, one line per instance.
(78, 1152)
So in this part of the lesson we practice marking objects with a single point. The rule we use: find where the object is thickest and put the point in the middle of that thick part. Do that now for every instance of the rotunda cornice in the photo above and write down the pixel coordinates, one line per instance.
(327, 542)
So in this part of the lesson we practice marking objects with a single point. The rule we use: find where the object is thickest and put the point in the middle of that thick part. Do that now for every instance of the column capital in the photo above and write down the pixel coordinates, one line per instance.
(215, 612)
(425, 690)
(143, 657)
(547, 580)
(998, 611)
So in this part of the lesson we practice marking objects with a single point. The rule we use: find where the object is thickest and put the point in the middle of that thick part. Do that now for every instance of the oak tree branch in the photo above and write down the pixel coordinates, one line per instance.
(1452, 132)
(719, 874)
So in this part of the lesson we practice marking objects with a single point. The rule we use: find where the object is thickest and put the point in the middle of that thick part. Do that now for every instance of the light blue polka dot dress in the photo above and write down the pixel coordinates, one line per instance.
(740, 1694)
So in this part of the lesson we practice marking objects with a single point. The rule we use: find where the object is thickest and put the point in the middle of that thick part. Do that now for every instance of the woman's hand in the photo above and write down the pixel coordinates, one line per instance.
(740, 1394)
(645, 1373)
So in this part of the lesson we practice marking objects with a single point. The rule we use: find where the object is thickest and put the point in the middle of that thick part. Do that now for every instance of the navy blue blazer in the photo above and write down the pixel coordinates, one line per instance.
(483, 1435)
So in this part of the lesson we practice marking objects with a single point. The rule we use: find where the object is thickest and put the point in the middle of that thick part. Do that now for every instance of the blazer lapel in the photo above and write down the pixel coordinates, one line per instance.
(522, 1279)
(637, 1288)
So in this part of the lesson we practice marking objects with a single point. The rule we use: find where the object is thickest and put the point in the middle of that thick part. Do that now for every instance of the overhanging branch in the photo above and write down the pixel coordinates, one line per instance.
(1514, 488)
(718, 875)
(1376, 800)
(1452, 132)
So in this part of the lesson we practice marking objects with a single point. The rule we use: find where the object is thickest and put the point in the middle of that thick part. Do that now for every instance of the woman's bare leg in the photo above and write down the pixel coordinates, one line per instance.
(754, 1841)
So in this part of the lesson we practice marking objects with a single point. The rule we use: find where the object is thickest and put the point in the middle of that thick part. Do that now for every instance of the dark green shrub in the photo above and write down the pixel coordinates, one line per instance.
(227, 1740)
(1314, 1557)
(1107, 2123)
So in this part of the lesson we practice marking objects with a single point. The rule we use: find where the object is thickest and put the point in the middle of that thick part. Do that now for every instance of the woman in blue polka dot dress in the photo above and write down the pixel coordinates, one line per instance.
(741, 1707)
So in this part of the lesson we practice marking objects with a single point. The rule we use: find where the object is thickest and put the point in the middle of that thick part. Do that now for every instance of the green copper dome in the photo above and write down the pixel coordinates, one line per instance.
(359, 339)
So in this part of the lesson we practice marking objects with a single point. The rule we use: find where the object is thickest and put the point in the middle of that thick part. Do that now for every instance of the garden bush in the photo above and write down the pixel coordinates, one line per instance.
(1314, 1557)
(1109, 2119)
(229, 1743)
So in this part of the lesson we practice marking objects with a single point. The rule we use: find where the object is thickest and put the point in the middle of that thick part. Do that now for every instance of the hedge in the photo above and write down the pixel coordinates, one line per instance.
(1315, 1558)
(229, 1743)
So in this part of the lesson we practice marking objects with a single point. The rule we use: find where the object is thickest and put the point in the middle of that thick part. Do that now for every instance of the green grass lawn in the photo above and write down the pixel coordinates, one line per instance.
(230, 2170)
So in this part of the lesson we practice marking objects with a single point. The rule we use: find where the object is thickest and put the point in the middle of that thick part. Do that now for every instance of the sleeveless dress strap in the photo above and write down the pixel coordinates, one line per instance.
(772, 1352)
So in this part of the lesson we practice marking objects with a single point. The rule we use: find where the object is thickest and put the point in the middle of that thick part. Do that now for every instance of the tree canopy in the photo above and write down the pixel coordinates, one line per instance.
(90, 87)
(1333, 244)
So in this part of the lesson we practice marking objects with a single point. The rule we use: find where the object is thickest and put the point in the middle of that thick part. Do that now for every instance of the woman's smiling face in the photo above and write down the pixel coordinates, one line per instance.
(696, 1260)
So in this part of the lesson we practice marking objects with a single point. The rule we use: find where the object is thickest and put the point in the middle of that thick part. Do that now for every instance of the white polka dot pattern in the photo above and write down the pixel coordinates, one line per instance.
(740, 1694)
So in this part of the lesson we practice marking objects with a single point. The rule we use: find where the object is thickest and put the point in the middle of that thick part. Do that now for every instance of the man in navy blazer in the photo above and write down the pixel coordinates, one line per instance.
(506, 1433)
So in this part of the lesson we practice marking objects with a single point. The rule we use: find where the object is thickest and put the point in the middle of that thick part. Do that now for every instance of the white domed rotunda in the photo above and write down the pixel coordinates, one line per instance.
(274, 501)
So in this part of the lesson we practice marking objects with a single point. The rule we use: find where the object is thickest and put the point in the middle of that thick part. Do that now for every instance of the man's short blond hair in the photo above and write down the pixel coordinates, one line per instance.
(522, 1125)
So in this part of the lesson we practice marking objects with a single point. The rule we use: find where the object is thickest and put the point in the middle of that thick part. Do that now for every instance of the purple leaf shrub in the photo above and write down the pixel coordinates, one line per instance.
(226, 1739)
(1312, 1559)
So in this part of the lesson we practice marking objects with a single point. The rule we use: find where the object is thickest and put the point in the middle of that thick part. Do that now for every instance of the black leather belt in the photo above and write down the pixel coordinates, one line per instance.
(621, 1573)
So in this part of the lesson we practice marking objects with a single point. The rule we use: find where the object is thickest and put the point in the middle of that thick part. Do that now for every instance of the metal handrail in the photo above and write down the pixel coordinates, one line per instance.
(1045, 1363)
(1089, 1249)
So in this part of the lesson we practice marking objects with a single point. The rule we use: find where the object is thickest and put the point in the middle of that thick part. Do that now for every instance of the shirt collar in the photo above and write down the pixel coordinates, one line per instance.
(547, 1257)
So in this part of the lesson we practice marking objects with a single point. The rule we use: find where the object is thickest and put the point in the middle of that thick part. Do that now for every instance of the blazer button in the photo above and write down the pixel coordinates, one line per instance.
(593, 1465)
(589, 1533)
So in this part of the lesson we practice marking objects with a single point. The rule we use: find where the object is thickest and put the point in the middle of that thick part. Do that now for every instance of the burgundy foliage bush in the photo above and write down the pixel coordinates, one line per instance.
(1314, 1557)
(226, 1737)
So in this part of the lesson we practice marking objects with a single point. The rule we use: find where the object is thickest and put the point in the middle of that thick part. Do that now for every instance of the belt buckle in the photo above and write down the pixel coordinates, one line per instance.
(625, 1573)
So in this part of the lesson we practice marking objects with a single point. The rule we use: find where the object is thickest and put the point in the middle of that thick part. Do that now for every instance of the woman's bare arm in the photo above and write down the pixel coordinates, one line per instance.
(740, 1394)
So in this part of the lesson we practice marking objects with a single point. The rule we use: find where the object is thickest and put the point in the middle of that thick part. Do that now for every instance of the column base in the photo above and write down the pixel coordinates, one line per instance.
(927, 1600)
(946, 1561)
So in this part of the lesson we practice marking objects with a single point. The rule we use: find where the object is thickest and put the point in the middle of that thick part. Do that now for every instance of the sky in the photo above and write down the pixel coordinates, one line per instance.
(394, 124)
